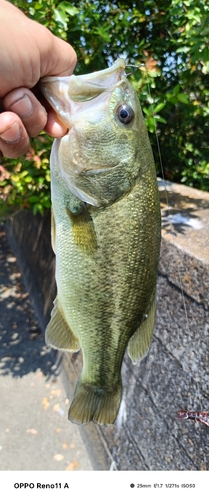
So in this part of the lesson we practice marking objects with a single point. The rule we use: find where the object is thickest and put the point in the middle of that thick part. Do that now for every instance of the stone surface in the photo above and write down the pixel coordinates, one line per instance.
(185, 239)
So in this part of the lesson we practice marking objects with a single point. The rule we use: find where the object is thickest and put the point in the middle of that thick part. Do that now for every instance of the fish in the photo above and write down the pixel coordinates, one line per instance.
(106, 229)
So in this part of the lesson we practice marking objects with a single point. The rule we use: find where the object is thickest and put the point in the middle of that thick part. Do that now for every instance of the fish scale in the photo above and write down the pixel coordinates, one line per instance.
(105, 233)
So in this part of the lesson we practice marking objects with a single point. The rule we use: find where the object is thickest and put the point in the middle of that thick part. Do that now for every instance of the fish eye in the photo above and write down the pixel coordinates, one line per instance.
(125, 113)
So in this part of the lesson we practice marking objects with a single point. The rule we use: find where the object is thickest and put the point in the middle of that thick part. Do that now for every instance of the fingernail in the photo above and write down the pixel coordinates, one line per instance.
(23, 107)
(12, 134)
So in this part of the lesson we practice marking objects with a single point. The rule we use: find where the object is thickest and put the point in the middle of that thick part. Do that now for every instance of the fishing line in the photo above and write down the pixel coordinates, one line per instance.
(133, 66)
(172, 229)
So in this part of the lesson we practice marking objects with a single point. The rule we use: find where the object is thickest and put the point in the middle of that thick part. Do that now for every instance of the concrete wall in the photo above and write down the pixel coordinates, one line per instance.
(175, 373)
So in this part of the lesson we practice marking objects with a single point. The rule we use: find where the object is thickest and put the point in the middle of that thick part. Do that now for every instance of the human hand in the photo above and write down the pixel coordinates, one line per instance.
(29, 54)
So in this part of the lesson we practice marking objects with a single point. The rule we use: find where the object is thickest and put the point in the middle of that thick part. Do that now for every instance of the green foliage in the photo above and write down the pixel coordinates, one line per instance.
(26, 183)
(169, 39)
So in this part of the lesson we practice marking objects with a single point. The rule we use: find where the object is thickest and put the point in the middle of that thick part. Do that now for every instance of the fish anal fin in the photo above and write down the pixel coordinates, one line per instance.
(140, 341)
(83, 231)
(58, 334)
(92, 403)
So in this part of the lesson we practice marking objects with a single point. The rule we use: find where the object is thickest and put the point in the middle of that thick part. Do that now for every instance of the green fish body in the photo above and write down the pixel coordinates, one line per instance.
(105, 234)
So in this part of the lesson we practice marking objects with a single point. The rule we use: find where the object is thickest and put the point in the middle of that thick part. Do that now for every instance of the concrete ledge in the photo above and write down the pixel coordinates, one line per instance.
(185, 239)
(175, 373)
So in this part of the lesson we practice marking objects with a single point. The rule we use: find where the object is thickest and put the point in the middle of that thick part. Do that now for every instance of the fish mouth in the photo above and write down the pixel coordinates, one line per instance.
(63, 91)
(100, 80)
(68, 94)
(94, 84)
(119, 64)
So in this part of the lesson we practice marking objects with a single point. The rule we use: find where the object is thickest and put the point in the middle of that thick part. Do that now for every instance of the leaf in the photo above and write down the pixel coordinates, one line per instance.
(160, 119)
(55, 392)
(72, 466)
(103, 33)
(151, 124)
(58, 457)
(69, 8)
(56, 407)
(45, 403)
(34, 199)
(61, 17)
(159, 106)
(205, 68)
(183, 98)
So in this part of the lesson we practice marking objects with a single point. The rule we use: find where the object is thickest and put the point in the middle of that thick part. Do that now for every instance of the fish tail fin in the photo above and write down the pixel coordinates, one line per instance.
(92, 403)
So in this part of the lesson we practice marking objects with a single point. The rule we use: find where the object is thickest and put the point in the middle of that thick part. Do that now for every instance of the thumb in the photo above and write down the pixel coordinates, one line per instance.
(58, 58)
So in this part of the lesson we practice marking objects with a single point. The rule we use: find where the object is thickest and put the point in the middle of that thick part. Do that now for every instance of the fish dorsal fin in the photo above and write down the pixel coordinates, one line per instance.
(83, 231)
(58, 334)
(139, 342)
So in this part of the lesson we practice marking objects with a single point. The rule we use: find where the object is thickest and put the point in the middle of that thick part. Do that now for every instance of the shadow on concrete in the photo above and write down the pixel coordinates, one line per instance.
(180, 211)
(22, 345)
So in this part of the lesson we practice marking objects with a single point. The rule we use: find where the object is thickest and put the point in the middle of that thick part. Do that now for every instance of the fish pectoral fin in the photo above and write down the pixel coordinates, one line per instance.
(83, 231)
(139, 342)
(58, 334)
(92, 403)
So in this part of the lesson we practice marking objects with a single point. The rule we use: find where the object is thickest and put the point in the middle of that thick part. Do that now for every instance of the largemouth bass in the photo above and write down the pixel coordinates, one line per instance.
(105, 233)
